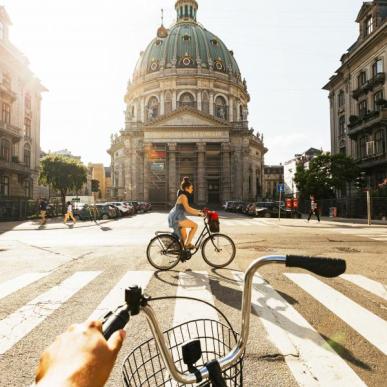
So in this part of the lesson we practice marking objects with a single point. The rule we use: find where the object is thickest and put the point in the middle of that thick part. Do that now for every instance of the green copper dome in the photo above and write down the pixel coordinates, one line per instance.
(186, 45)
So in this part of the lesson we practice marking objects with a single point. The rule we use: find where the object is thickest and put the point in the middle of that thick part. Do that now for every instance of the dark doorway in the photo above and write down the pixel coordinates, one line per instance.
(213, 191)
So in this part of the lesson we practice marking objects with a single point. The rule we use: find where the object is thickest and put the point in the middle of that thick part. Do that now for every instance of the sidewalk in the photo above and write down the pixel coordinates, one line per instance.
(355, 221)
(52, 224)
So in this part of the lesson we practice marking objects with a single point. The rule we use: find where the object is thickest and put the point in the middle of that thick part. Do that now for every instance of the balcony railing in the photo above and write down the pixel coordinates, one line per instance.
(240, 125)
(10, 130)
(12, 165)
(357, 123)
(368, 86)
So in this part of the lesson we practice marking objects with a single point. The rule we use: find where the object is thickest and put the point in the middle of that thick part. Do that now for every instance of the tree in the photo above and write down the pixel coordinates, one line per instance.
(95, 185)
(326, 175)
(62, 174)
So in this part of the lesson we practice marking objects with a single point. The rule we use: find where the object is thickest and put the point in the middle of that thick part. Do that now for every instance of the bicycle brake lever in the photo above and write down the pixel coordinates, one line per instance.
(114, 321)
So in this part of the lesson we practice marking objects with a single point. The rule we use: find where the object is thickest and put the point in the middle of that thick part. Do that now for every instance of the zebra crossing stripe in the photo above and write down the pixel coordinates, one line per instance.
(367, 324)
(116, 295)
(197, 285)
(194, 284)
(17, 325)
(15, 284)
(310, 359)
(370, 285)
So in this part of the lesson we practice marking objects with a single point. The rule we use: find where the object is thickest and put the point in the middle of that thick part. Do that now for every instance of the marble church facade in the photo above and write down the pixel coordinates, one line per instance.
(187, 115)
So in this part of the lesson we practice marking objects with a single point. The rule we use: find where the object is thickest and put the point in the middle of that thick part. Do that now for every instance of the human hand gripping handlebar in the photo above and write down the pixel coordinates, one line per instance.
(136, 302)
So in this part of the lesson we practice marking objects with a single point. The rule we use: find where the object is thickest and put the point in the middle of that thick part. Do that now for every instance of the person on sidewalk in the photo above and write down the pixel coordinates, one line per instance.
(43, 211)
(69, 214)
(314, 208)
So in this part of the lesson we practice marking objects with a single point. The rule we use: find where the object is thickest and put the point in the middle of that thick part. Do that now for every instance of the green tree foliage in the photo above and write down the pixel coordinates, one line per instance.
(63, 174)
(326, 175)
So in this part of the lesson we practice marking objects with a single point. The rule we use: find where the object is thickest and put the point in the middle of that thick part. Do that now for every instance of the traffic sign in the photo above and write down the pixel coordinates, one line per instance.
(280, 187)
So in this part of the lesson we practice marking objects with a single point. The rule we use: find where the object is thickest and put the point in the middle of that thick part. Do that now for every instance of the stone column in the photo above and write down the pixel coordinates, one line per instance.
(172, 149)
(139, 166)
(201, 183)
(231, 109)
(226, 172)
(246, 174)
(237, 173)
(174, 96)
(142, 109)
(162, 103)
(199, 99)
(254, 182)
(147, 149)
(211, 104)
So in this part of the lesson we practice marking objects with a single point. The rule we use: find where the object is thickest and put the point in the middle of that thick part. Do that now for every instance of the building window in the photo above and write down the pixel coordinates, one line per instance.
(379, 142)
(342, 126)
(341, 98)
(7, 81)
(1, 30)
(377, 67)
(153, 108)
(378, 100)
(168, 102)
(6, 113)
(4, 185)
(27, 127)
(27, 186)
(362, 79)
(343, 150)
(370, 25)
(362, 150)
(221, 108)
(5, 150)
(363, 108)
(27, 155)
(187, 99)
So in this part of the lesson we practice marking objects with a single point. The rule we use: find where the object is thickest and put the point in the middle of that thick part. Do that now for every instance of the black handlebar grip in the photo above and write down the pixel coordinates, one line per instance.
(325, 267)
(113, 322)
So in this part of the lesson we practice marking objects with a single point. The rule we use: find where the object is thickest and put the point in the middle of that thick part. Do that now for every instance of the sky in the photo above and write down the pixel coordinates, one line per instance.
(84, 52)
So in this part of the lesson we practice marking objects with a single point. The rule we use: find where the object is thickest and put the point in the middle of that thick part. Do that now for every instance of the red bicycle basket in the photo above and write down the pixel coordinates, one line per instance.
(213, 221)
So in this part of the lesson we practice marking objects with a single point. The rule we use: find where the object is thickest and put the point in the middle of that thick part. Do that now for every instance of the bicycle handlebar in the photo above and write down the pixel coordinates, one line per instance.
(325, 267)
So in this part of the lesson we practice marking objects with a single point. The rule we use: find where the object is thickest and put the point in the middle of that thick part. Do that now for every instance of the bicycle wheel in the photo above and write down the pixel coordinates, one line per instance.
(218, 250)
(164, 252)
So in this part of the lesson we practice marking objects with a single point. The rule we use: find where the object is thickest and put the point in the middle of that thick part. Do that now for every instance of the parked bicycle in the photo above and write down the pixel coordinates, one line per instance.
(165, 251)
(201, 352)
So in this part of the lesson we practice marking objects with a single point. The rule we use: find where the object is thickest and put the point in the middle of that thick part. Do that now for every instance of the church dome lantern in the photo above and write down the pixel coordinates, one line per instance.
(186, 10)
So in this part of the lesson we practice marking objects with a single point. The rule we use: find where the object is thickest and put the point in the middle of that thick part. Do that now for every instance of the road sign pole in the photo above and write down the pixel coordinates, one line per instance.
(279, 205)
(369, 207)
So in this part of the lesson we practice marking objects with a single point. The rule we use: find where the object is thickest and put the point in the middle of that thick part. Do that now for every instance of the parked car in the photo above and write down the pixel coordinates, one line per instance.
(122, 208)
(135, 205)
(145, 206)
(270, 210)
(131, 208)
(86, 212)
(231, 206)
(107, 211)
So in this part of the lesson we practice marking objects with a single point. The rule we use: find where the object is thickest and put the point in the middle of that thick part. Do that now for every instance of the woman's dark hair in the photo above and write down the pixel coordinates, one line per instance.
(186, 183)
(68, 203)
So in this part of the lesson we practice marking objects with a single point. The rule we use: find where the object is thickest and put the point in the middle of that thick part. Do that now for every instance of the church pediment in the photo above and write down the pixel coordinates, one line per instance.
(186, 116)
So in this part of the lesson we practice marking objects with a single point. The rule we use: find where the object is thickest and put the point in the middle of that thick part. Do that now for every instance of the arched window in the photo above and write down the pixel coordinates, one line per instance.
(27, 155)
(205, 103)
(221, 108)
(5, 150)
(168, 102)
(240, 113)
(152, 109)
(187, 99)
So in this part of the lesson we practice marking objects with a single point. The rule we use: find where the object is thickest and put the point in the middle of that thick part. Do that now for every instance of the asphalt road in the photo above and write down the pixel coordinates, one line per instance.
(305, 330)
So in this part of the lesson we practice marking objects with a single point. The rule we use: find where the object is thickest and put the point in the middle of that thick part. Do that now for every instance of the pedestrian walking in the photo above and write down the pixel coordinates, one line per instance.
(69, 213)
(314, 208)
(43, 211)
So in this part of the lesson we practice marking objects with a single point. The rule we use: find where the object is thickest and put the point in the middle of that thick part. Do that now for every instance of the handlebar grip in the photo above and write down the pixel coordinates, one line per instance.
(113, 322)
(325, 267)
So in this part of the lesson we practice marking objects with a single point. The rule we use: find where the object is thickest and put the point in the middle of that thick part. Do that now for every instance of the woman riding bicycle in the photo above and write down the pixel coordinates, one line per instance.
(177, 219)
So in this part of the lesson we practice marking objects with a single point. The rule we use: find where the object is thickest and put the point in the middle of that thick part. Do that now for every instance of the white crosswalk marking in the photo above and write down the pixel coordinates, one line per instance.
(17, 325)
(311, 361)
(15, 284)
(116, 295)
(370, 326)
(371, 286)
